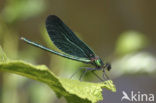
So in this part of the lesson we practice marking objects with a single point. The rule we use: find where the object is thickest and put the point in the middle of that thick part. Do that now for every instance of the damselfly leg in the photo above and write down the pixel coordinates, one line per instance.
(85, 71)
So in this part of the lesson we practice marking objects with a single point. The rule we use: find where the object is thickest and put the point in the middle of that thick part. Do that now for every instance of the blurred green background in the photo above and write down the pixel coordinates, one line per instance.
(120, 32)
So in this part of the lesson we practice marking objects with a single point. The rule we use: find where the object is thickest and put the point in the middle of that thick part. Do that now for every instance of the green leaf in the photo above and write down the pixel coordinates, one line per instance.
(73, 90)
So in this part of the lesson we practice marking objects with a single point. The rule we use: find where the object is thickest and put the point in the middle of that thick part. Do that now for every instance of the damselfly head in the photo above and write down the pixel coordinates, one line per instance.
(107, 66)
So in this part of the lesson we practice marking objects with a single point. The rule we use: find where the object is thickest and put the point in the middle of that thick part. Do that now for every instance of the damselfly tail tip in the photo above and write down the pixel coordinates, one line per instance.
(22, 38)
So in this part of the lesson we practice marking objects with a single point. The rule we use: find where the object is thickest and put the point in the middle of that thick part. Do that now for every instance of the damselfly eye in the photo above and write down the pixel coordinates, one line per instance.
(108, 66)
